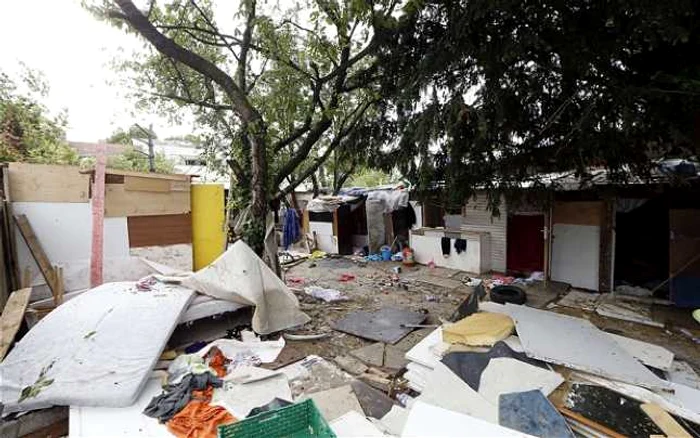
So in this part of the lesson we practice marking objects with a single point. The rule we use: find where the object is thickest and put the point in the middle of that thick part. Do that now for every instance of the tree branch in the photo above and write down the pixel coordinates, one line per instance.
(245, 44)
(214, 29)
(171, 49)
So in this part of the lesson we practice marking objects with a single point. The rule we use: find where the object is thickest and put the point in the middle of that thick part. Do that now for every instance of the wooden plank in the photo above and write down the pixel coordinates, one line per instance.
(121, 203)
(47, 183)
(159, 230)
(170, 176)
(98, 220)
(664, 420)
(143, 184)
(590, 423)
(11, 318)
(42, 260)
(579, 213)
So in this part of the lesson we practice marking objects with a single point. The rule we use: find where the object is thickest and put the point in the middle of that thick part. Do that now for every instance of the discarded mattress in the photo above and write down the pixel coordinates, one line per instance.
(240, 276)
(98, 349)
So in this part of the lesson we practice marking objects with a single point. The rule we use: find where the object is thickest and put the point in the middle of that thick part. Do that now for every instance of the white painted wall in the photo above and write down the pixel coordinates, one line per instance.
(325, 239)
(428, 248)
(576, 254)
(64, 231)
(476, 217)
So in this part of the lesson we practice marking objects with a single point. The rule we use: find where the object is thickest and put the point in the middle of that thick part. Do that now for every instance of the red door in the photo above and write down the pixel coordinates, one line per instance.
(525, 243)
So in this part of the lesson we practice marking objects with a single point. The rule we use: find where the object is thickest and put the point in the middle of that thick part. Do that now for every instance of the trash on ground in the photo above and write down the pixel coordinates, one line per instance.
(383, 325)
(327, 295)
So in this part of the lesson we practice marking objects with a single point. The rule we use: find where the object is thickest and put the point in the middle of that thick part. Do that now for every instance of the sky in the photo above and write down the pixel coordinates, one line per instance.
(74, 51)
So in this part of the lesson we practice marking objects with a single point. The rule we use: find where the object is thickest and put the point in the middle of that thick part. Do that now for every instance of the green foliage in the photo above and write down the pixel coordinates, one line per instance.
(490, 93)
(27, 131)
(135, 159)
(127, 136)
(369, 178)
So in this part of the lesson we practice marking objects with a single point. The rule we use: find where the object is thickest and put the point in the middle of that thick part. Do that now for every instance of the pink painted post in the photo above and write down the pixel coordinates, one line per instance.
(98, 218)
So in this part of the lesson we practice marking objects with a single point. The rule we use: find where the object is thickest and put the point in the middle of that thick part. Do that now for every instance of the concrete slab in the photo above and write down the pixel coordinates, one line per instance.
(383, 325)
(336, 402)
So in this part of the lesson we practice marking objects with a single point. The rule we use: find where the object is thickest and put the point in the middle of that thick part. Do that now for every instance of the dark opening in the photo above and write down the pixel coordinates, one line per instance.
(525, 244)
(642, 243)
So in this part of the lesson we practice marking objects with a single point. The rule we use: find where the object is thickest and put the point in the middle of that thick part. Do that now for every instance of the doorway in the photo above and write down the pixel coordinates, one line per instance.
(525, 243)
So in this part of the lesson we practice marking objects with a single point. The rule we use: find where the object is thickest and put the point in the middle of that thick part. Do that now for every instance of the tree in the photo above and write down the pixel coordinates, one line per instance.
(490, 93)
(278, 89)
(127, 136)
(133, 158)
(27, 131)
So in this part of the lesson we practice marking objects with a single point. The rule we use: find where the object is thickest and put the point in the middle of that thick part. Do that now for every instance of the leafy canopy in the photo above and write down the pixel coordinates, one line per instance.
(28, 132)
(489, 93)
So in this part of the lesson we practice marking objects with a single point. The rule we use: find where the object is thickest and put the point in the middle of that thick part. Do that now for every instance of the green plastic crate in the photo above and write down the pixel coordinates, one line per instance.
(296, 421)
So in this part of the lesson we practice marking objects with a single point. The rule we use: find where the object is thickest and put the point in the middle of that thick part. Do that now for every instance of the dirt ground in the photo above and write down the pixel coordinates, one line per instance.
(437, 292)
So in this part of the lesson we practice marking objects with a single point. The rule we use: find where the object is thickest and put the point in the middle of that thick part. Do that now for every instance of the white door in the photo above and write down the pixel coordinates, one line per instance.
(575, 255)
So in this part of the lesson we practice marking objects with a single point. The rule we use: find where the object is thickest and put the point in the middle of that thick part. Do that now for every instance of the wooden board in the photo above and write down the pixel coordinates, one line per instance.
(664, 420)
(11, 318)
(47, 183)
(120, 203)
(42, 260)
(146, 184)
(168, 176)
(579, 213)
(159, 230)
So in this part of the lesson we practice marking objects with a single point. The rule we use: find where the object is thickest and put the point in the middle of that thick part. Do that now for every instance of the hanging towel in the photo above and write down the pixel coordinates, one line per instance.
(290, 228)
(445, 243)
(460, 245)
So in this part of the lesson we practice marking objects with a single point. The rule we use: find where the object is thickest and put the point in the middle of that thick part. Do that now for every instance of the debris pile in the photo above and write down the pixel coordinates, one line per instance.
(489, 369)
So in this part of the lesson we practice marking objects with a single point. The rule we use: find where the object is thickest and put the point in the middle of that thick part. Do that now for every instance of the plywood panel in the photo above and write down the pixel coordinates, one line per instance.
(47, 183)
(159, 230)
(174, 177)
(579, 213)
(120, 202)
(145, 184)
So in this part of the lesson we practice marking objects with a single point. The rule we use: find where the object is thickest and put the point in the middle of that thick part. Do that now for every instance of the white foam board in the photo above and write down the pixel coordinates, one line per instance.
(354, 424)
(504, 375)
(422, 352)
(425, 420)
(98, 422)
(649, 354)
(568, 341)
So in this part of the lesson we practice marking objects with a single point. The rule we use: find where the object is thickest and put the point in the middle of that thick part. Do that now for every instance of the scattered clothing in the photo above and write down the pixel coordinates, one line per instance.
(346, 277)
(194, 347)
(184, 365)
(175, 397)
(460, 245)
(198, 419)
(445, 242)
(217, 361)
(290, 228)
(276, 403)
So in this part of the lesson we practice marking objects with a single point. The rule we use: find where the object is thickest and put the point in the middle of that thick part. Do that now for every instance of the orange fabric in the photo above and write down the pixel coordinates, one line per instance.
(217, 362)
(197, 419)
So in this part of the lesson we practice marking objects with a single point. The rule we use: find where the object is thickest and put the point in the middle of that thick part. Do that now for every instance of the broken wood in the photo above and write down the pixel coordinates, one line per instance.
(664, 420)
(569, 414)
(42, 260)
(59, 286)
(376, 381)
(11, 318)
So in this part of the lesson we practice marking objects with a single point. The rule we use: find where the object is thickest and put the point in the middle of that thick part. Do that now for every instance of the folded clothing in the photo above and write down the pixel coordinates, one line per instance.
(175, 397)
(198, 419)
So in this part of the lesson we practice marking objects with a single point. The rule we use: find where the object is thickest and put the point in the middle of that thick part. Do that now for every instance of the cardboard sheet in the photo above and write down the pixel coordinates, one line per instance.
(97, 349)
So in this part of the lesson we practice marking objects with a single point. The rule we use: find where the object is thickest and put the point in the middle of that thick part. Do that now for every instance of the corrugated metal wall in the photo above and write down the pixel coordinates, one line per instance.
(477, 217)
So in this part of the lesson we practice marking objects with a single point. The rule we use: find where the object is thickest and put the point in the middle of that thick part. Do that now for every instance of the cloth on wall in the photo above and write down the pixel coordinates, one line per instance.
(460, 245)
(290, 228)
(445, 243)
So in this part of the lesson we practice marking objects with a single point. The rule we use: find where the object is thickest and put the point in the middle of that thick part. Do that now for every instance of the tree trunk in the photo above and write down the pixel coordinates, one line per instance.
(255, 235)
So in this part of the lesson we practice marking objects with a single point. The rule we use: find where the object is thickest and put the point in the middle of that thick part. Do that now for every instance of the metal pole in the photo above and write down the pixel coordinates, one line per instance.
(151, 156)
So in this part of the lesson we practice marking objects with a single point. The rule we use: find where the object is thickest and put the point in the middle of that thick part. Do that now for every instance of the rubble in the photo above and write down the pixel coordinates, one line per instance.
(496, 370)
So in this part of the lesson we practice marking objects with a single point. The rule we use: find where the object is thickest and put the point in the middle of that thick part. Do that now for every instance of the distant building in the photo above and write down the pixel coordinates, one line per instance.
(186, 156)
